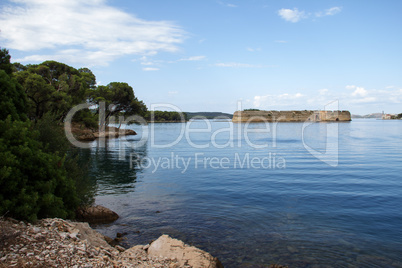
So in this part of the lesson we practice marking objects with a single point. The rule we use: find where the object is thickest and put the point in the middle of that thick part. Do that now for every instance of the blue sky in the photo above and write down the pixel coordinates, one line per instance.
(208, 55)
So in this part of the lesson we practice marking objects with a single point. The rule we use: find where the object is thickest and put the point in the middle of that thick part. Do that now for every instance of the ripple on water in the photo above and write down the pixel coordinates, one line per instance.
(306, 215)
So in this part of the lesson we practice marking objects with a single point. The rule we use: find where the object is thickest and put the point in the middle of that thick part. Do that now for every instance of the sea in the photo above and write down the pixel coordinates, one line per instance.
(296, 194)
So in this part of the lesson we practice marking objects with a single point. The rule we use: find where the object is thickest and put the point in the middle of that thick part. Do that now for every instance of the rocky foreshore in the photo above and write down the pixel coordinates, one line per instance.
(83, 133)
(63, 243)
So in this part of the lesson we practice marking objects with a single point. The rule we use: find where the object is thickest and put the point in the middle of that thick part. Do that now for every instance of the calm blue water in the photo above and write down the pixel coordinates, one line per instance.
(252, 207)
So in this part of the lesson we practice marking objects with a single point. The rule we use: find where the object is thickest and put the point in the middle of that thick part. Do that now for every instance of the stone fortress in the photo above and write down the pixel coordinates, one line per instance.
(290, 116)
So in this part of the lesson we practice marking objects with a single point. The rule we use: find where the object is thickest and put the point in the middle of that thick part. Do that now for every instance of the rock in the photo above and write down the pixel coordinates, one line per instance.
(96, 214)
(36, 230)
(135, 252)
(118, 239)
(108, 239)
(89, 234)
(113, 132)
(166, 246)
(76, 244)
(81, 133)
(120, 248)
(120, 234)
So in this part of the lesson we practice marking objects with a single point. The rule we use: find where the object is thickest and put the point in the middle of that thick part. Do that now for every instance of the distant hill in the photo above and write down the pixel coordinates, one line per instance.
(209, 115)
(373, 115)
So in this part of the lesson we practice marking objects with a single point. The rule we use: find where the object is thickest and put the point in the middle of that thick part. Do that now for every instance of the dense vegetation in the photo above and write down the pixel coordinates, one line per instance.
(165, 116)
(208, 115)
(118, 99)
(41, 174)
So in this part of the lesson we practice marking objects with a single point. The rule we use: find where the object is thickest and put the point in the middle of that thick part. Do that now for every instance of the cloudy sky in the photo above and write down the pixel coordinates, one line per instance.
(207, 55)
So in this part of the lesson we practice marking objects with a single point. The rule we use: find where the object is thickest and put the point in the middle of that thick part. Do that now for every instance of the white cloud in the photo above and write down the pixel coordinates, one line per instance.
(292, 15)
(359, 94)
(290, 96)
(360, 91)
(364, 100)
(144, 60)
(226, 4)
(253, 49)
(354, 98)
(150, 69)
(147, 63)
(194, 58)
(323, 91)
(350, 87)
(238, 65)
(333, 11)
(89, 32)
(173, 92)
(329, 12)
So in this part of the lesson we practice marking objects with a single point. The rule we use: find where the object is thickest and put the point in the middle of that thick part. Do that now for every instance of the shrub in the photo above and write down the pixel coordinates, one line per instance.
(33, 183)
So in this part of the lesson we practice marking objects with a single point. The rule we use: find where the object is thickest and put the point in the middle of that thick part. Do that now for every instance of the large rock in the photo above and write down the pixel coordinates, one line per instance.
(85, 232)
(57, 242)
(167, 247)
(96, 214)
(82, 133)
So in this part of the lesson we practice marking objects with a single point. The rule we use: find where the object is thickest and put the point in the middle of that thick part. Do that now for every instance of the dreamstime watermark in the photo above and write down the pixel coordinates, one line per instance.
(259, 132)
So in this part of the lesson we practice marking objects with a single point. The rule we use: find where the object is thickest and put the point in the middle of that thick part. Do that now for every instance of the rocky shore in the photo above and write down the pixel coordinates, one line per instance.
(62, 243)
(82, 133)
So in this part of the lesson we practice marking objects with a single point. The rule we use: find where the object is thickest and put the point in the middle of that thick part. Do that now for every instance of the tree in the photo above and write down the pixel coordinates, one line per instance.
(5, 61)
(41, 175)
(12, 98)
(18, 67)
(118, 98)
(39, 93)
(88, 78)
(54, 87)
(251, 109)
(162, 116)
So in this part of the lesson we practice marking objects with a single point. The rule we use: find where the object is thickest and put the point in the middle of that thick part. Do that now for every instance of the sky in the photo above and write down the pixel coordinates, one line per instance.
(208, 55)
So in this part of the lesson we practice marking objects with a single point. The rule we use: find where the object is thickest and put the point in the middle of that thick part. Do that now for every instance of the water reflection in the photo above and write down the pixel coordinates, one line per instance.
(307, 215)
(111, 169)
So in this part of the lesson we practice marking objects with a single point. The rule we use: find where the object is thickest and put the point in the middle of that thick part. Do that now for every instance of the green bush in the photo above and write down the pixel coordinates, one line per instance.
(51, 134)
(41, 175)
(12, 98)
(88, 118)
(33, 183)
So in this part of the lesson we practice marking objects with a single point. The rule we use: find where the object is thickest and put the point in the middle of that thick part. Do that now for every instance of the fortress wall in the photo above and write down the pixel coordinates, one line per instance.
(290, 116)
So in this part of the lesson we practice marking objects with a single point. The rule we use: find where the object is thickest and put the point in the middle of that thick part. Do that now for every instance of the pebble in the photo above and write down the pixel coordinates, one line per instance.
(120, 248)
(55, 242)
